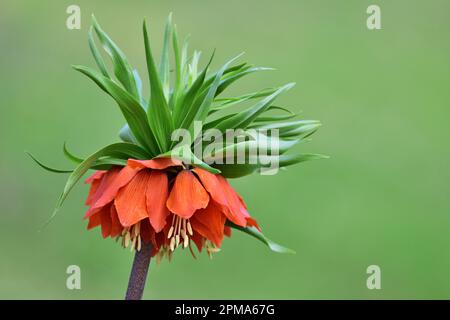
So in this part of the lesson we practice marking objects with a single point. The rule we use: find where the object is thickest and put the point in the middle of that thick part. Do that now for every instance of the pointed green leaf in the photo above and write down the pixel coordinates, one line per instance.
(70, 156)
(254, 232)
(164, 69)
(184, 111)
(246, 117)
(97, 56)
(158, 111)
(122, 68)
(45, 167)
(131, 109)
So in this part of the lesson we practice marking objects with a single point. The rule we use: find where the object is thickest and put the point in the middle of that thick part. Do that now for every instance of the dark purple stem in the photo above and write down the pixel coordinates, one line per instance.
(139, 271)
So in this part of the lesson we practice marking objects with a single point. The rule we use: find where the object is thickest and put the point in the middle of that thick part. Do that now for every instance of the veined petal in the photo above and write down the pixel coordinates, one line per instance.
(187, 195)
(92, 196)
(212, 185)
(112, 185)
(99, 189)
(157, 163)
(210, 223)
(156, 197)
(116, 227)
(105, 216)
(130, 201)
(222, 192)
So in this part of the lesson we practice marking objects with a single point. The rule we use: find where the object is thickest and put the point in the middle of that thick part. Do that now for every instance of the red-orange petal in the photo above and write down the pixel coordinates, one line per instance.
(94, 221)
(187, 195)
(157, 163)
(227, 231)
(99, 189)
(130, 200)
(212, 185)
(92, 196)
(234, 210)
(105, 216)
(113, 185)
(156, 197)
(116, 227)
(222, 192)
(210, 223)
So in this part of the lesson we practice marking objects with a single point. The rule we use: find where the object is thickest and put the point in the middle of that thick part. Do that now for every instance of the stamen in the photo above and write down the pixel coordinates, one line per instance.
(127, 239)
(189, 228)
(170, 232)
(133, 244)
(172, 244)
(139, 243)
(179, 233)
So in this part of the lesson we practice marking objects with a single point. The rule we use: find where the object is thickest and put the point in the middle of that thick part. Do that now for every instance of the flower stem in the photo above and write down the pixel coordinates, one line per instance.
(139, 271)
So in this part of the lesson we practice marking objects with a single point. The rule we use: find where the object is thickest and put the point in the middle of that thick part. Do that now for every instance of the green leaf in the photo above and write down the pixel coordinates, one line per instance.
(246, 117)
(164, 70)
(184, 111)
(193, 67)
(70, 156)
(178, 68)
(158, 112)
(97, 56)
(122, 68)
(249, 150)
(45, 167)
(133, 112)
(223, 103)
(233, 76)
(254, 232)
(216, 122)
(256, 163)
(201, 112)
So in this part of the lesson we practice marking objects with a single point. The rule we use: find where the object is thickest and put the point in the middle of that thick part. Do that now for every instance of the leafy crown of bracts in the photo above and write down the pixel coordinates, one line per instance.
(192, 95)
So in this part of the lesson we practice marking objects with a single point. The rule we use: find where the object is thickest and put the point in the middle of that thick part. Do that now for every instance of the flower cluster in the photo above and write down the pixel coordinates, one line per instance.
(162, 202)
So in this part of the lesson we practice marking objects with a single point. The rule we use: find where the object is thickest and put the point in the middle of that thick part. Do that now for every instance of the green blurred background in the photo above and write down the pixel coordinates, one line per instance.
(382, 198)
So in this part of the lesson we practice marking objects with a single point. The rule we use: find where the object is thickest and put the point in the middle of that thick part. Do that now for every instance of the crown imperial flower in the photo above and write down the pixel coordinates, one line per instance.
(150, 190)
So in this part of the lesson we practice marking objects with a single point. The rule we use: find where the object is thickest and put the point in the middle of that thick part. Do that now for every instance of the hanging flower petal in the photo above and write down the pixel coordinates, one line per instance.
(210, 223)
(187, 195)
(157, 163)
(156, 196)
(99, 189)
(113, 184)
(105, 216)
(116, 227)
(92, 196)
(212, 185)
(94, 221)
(130, 201)
(221, 191)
